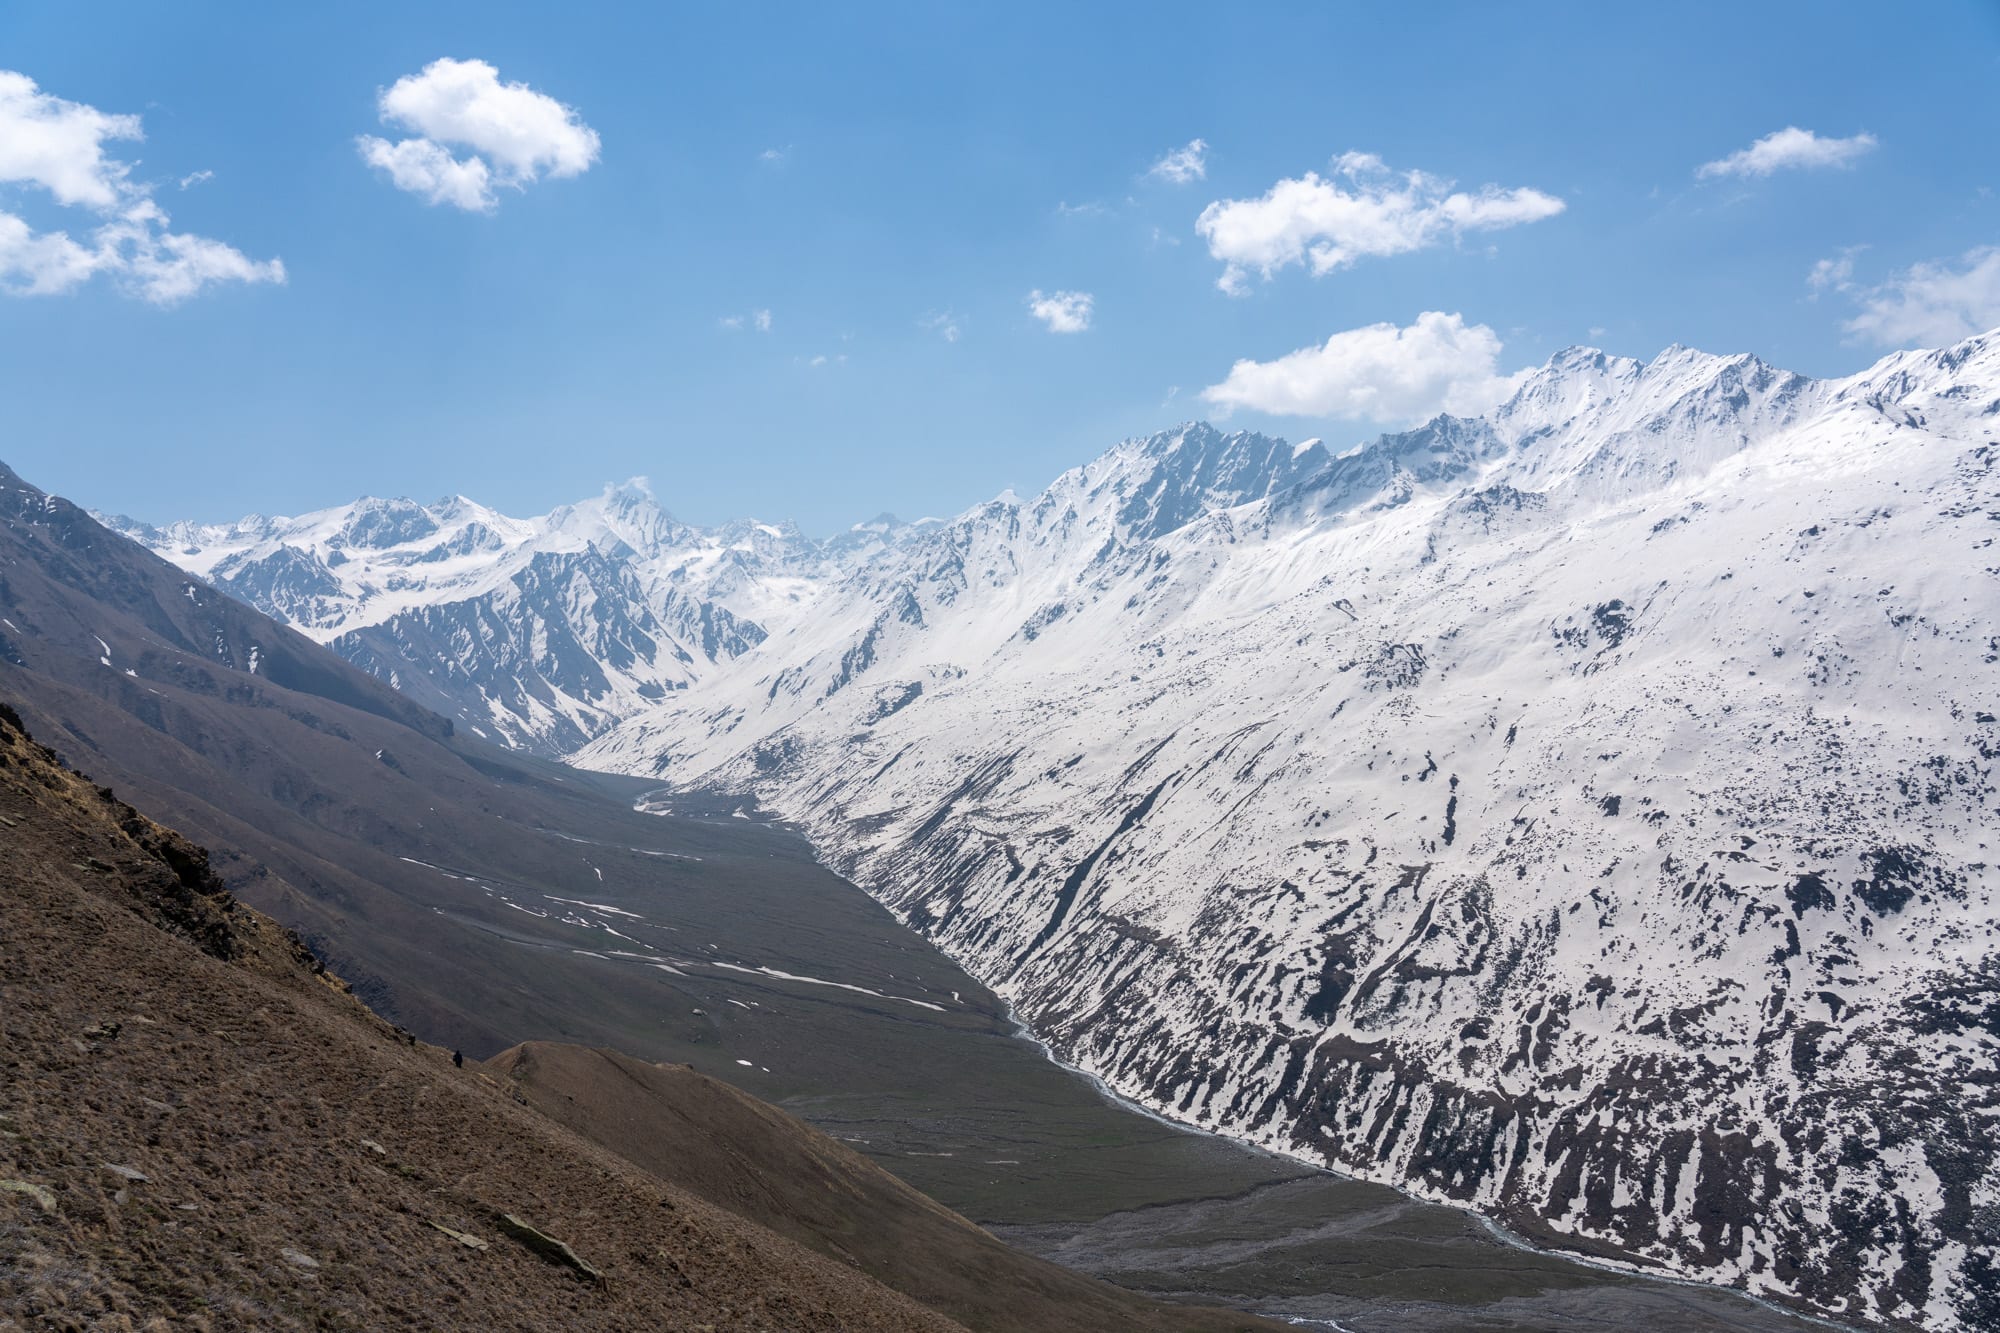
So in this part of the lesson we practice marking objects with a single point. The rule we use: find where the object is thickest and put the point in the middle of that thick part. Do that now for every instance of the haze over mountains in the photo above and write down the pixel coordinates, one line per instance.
(1581, 812)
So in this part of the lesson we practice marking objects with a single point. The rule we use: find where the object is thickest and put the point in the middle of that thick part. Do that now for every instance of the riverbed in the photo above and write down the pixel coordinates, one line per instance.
(802, 989)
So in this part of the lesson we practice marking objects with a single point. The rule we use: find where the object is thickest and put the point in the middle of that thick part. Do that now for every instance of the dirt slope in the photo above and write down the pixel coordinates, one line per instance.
(198, 1130)
(322, 791)
(760, 1163)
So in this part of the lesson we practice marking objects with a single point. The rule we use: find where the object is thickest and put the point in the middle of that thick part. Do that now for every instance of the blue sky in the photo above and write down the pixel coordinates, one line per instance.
(891, 183)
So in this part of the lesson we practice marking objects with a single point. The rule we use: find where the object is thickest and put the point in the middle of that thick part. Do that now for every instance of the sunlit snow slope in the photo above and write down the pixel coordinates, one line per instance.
(1581, 812)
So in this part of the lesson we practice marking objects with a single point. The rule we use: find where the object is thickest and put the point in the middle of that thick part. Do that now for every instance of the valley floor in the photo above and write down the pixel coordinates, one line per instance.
(979, 1118)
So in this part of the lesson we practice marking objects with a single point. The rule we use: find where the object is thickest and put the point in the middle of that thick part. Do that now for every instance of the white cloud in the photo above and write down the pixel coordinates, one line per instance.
(759, 320)
(942, 323)
(429, 169)
(1181, 165)
(194, 178)
(520, 131)
(41, 263)
(1835, 274)
(1789, 147)
(775, 155)
(513, 135)
(1379, 373)
(1063, 312)
(166, 268)
(1933, 304)
(1364, 209)
(58, 146)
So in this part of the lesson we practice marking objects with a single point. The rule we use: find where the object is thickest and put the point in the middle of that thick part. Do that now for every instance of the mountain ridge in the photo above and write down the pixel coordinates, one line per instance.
(1476, 809)
(553, 628)
(1264, 817)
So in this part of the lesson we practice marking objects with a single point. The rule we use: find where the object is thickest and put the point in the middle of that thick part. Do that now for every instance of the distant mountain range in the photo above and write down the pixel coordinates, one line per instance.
(540, 633)
(1581, 812)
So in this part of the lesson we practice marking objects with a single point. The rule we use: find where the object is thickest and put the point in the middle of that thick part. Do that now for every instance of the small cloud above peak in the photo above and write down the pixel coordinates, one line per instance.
(1378, 373)
(1933, 304)
(1787, 149)
(1835, 273)
(513, 135)
(1181, 165)
(775, 156)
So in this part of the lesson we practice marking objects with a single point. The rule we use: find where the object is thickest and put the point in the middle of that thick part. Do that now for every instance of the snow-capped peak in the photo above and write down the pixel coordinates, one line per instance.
(1581, 813)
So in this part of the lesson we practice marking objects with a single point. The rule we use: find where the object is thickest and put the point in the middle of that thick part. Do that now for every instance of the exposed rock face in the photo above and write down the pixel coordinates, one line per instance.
(547, 1246)
(1582, 813)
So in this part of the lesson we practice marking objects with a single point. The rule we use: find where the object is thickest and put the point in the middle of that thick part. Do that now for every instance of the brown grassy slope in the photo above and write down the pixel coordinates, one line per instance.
(197, 1131)
(760, 1163)
(311, 781)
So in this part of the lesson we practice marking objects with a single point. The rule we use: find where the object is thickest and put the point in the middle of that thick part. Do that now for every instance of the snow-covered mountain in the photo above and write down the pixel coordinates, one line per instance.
(1586, 812)
(540, 632)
